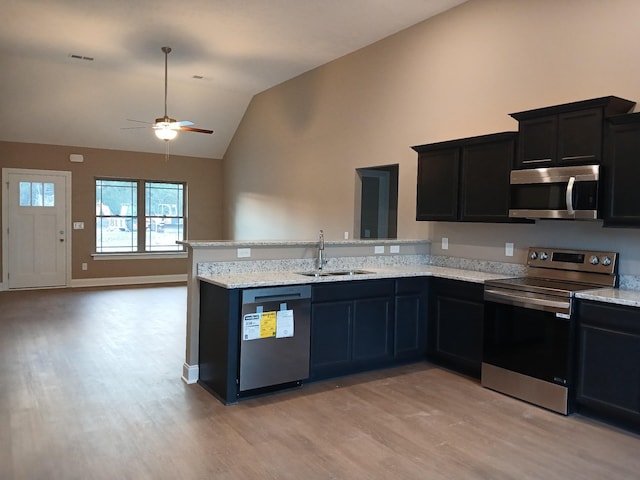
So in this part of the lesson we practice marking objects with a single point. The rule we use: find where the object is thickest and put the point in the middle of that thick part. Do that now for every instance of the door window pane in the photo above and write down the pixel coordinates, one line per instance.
(25, 194)
(37, 194)
(49, 194)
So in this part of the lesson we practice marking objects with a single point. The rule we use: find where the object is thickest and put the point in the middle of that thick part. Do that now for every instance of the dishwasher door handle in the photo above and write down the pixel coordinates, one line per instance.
(276, 294)
(276, 298)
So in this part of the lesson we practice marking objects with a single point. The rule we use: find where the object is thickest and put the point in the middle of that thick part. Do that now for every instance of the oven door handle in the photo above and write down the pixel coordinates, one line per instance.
(535, 303)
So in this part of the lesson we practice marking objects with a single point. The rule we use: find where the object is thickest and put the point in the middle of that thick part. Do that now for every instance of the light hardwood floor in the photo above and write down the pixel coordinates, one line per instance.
(90, 388)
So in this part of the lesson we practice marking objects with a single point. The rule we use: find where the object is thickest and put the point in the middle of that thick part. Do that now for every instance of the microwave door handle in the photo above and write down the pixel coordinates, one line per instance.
(569, 196)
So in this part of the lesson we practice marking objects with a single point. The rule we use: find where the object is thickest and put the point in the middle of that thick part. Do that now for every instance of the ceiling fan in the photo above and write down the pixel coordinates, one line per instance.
(167, 128)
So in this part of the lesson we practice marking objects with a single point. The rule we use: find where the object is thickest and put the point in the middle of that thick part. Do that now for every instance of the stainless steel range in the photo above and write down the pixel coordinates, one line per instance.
(529, 328)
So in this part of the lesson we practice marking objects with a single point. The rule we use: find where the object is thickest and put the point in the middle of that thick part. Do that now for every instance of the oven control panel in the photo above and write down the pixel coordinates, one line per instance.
(576, 260)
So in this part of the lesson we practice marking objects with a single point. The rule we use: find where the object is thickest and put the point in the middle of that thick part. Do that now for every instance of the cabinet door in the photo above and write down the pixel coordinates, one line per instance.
(609, 361)
(537, 142)
(410, 329)
(485, 181)
(330, 337)
(455, 325)
(580, 137)
(437, 190)
(622, 174)
(372, 329)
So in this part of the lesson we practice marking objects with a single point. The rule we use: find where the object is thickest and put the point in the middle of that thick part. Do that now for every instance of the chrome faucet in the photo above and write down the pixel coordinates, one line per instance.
(321, 259)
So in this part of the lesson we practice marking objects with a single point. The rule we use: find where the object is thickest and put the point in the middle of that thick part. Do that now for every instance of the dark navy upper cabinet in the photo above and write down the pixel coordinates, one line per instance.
(621, 171)
(466, 179)
(567, 134)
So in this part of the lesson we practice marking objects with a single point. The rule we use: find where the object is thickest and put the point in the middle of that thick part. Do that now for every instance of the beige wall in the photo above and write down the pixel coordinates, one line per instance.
(290, 169)
(204, 189)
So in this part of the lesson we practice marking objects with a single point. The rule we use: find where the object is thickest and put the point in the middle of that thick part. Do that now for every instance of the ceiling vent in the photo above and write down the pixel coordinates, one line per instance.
(81, 57)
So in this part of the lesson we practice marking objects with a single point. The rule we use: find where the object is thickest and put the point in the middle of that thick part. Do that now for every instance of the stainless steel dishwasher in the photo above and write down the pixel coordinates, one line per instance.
(275, 336)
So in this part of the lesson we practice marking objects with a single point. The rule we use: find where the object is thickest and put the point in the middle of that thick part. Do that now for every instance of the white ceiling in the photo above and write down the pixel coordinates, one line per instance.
(240, 47)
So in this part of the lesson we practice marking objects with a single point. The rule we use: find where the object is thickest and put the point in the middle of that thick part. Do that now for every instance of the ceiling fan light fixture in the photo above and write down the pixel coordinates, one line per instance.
(166, 133)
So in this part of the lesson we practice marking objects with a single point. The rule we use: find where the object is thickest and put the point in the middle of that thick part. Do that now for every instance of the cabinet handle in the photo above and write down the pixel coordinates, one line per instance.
(569, 196)
(540, 160)
(579, 157)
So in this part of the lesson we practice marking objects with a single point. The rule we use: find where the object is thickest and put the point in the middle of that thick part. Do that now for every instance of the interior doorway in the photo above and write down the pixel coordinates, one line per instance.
(377, 202)
(36, 245)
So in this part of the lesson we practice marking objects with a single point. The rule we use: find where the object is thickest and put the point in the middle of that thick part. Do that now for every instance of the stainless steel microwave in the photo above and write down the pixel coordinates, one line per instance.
(555, 192)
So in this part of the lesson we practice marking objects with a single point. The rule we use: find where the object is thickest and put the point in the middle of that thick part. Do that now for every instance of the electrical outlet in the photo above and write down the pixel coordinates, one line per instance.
(85, 266)
(378, 249)
(346, 235)
(244, 253)
(394, 249)
(508, 249)
(445, 243)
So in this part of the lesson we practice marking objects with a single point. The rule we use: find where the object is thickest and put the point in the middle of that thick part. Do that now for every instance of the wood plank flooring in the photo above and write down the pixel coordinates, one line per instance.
(90, 388)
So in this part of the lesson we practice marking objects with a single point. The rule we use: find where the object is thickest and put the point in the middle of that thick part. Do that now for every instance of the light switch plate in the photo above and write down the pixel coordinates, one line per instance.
(394, 249)
(244, 252)
(445, 243)
(378, 249)
(78, 225)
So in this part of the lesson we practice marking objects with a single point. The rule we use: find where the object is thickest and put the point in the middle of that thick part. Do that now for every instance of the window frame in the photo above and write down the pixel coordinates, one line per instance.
(140, 249)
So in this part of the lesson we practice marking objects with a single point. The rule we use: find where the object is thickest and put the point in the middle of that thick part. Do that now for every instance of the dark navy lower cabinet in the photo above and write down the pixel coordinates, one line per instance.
(456, 315)
(351, 326)
(608, 383)
(368, 324)
(411, 313)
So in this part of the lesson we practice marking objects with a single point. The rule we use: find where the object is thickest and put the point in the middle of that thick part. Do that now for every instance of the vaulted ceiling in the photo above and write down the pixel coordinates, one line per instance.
(76, 72)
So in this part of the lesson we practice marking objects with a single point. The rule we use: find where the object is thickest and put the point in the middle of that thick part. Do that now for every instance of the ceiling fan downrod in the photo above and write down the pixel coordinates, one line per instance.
(167, 51)
(163, 125)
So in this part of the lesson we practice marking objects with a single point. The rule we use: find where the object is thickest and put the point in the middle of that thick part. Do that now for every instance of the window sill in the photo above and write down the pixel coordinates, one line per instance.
(139, 256)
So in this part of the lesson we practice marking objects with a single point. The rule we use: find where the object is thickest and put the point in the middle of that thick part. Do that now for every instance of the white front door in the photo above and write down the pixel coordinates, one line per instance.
(37, 244)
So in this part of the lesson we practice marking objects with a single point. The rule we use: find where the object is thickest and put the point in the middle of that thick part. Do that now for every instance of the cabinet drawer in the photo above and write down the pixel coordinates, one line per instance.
(349, 290)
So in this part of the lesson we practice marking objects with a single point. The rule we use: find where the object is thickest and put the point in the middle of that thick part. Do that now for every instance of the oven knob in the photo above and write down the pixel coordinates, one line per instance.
(594, 260)
(533, 255)
(606, 261)
(543, 255)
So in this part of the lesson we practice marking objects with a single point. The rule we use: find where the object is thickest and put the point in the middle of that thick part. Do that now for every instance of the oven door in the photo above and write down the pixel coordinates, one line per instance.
(530, 342)
(527, 353)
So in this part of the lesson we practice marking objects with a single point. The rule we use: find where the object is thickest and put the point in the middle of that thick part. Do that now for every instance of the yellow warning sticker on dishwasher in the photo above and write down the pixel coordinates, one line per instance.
(268, 324)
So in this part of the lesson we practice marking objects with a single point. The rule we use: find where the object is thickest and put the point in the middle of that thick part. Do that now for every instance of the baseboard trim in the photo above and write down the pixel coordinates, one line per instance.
(117, 281)
(190, 373)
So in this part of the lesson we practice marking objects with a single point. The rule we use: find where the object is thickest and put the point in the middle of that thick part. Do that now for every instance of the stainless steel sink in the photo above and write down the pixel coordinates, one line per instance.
(335, 273)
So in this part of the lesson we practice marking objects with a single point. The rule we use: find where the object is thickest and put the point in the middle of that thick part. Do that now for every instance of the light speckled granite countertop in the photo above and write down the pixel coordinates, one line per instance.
(276, 278)
(630, 298)
(263, 279)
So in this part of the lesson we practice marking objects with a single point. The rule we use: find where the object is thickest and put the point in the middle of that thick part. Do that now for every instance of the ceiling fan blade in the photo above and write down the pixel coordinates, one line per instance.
(138, 121)
(192, 129)
(131, 128)
(183, 123)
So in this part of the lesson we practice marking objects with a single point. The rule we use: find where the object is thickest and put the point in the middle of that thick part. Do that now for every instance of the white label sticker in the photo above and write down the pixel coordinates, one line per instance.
(284, 324)
(251, 326)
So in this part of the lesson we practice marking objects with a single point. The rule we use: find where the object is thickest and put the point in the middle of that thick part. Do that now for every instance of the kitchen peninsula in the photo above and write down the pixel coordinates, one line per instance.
(398, 284)
(237, 264)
